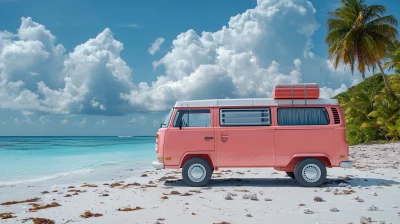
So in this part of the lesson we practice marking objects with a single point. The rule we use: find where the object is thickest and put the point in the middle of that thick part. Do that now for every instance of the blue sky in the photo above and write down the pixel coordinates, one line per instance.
(272, 41)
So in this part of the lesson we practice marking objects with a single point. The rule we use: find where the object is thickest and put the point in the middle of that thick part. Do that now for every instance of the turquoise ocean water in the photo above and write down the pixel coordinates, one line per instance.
(34, 160)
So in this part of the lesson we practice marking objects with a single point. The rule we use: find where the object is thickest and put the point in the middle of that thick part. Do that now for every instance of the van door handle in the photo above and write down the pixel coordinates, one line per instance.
(208, 138)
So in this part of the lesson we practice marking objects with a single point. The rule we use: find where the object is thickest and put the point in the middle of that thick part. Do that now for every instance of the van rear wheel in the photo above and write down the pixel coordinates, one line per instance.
(196, 172)
(290, 174)
(310, 172)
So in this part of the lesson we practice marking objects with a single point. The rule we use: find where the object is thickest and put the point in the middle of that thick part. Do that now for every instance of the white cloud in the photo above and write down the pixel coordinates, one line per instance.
(43, 120)
(138, 120)
(326, 92)
(155, 46)
(156, 123)
(263, 46)
(130, 25)
(24, 120)
(26, 113)
(101, 122)
(82, 122)
(64, 121)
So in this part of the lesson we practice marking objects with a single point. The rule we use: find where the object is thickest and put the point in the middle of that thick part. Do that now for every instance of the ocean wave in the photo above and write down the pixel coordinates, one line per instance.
(45, 178)
(104, 164)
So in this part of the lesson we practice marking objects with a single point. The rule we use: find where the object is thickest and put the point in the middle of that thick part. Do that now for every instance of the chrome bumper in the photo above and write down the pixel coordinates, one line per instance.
(346, 164)
(158, 165)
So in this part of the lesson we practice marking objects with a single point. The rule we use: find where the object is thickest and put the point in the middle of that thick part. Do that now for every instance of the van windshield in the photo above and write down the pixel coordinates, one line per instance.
(166, 119)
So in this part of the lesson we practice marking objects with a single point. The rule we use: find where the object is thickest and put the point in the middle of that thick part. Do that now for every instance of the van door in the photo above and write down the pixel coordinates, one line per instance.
(245, 138)
(191, 132)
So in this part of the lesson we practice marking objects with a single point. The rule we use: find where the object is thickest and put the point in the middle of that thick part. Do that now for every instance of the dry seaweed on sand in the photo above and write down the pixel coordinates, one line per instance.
(223, 222)
(149, 185)
(18, 202)
(167, 178)
(130, 185)
(195, 191)
(89, 214)
(116, 184)
(129, 209)
(68, 195)
(88, 185)
(39, 221)
(318, 199)
(144, 175)
(164, 197)
(7, 215)
(186, 194)
(77, 191)
(39, 207)
(44, 192)
(175, 192)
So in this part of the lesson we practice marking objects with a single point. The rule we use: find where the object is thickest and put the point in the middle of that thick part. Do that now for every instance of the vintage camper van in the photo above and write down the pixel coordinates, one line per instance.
(294, 131)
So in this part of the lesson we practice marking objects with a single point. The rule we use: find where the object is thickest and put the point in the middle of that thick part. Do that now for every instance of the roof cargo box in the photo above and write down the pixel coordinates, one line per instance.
(296, 91)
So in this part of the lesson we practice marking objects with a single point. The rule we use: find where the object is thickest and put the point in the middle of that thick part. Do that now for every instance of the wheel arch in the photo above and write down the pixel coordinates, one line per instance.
(206, 156)
(296, 158)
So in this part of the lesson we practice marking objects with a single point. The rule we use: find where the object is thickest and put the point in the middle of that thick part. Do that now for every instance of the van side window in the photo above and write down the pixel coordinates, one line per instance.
(245, 117)
(193, 118)
(303, 116)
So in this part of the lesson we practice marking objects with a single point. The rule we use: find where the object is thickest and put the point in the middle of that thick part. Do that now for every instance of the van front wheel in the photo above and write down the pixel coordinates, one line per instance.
(310, 172)
(196, 172)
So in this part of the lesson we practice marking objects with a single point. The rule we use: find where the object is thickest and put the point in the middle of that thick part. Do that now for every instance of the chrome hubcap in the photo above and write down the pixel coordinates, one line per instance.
(311, 173)
(197, 172)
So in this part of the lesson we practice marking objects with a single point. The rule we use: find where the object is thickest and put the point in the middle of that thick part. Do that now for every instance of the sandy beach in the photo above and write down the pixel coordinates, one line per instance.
(367, 193)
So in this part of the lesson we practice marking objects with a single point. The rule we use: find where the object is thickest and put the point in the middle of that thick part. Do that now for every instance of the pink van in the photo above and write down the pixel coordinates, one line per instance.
(300, 134)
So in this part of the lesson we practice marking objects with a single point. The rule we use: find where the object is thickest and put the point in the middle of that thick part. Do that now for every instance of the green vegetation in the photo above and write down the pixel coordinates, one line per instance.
(361, 35)
(394, 56)
(371, 114)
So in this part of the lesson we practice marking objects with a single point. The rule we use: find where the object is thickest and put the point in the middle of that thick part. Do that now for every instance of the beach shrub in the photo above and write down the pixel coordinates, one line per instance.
(371, 115)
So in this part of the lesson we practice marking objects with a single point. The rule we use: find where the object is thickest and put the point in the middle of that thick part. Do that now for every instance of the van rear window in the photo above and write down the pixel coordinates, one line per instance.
(302, 116)
(245, 117)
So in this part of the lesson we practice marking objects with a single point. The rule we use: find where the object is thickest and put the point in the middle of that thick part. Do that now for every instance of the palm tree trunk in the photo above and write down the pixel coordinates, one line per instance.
(385, 80)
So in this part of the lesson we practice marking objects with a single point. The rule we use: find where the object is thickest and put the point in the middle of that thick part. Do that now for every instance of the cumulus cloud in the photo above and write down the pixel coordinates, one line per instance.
(64, 121)
(156, 123)
(101, 122)
(130, 25)
(138, 120)
(326, 92)
(43, 120)
(155, 46)
(261, 47)
(24, 120)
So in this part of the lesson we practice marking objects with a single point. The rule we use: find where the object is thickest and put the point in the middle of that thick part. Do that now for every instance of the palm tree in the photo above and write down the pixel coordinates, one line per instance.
(394, 56)
(360, 35)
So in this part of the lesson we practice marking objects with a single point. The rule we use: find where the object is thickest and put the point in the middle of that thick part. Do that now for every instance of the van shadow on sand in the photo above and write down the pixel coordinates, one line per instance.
(286, 182)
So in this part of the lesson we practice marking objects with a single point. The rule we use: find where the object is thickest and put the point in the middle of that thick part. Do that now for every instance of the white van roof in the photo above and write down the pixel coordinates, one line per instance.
(255, 102)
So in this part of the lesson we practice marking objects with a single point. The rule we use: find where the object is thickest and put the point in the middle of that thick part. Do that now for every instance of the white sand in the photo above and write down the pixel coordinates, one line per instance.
(376, 172)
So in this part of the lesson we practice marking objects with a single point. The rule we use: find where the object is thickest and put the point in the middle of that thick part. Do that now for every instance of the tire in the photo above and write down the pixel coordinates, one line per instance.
(316, 175)
(190, 175)
(291, 175)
